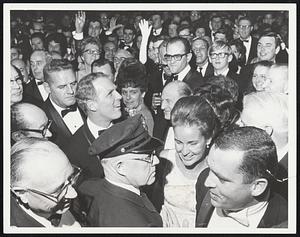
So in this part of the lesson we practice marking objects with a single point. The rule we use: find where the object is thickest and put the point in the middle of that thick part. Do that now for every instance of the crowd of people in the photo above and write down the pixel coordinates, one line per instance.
(149, 119)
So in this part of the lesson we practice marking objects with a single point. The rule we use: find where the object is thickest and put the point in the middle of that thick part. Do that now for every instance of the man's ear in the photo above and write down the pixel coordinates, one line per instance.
(259, 186)
(189, 57)
(47, 87)
(277, 49)
(120, 168)
(91, 105)
(230, 58)
(17, 136)
(20, 56)
(31, 31)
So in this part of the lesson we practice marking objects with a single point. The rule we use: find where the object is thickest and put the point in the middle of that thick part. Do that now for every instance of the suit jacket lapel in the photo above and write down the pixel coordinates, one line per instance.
(209, 70)
(205, 212)
(187, 76)
(57, 119)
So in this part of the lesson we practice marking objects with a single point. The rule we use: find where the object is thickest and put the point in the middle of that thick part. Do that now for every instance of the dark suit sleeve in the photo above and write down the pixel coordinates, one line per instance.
(201, 190)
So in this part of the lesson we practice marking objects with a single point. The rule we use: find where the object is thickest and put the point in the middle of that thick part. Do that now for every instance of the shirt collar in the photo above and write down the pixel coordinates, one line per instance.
(224, 73)
(125, 186)
(183, 73)
(94, 128)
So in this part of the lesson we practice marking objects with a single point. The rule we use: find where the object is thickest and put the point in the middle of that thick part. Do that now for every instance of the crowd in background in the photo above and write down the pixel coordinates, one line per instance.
(179, 90)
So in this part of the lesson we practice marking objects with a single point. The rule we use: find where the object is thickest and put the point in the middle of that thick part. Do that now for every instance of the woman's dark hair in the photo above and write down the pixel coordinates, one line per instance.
(241, 49)
(58, 38)
(132, 73)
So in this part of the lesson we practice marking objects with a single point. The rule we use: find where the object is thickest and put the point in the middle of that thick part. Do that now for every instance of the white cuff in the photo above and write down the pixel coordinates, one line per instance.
(108, 32)
(77, 36)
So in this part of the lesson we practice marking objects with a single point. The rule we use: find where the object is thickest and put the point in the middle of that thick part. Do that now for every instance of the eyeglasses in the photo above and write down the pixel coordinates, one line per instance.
(17, 80)
(244, 27)
(149, 159)
(42, 131)
(92, 52)
(176, 57)
(220, 55)
(71, 181)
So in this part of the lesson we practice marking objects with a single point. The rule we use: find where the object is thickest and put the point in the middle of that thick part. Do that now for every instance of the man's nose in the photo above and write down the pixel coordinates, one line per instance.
(209, 181)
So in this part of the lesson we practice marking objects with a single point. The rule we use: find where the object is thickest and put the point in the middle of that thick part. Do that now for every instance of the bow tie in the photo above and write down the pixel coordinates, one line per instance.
(72, 108)
(246, 41)
(55, 219)
(100, 131)
(40, 83)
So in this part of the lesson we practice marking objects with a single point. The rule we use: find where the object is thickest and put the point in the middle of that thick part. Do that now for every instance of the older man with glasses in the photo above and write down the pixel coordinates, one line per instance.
(42, 180)
(126, 151)
(28, 120)
(178, 56)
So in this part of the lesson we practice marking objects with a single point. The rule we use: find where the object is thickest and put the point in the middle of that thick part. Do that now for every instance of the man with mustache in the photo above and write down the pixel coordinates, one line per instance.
(42, 180)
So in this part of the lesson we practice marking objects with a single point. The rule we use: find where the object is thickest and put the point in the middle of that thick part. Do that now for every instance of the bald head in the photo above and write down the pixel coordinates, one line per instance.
(36, 162)
(27, 116)
(38, 60)
(171, 93)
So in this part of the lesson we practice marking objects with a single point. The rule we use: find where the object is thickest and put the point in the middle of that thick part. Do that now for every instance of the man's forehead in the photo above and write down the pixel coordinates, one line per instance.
(110, 45)
(218, 157)
(267, 39)
(178, 45)
(199, 43)
(38, 56)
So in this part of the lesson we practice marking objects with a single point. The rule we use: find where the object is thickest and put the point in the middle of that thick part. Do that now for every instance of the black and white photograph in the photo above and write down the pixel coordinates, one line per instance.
(149, 118)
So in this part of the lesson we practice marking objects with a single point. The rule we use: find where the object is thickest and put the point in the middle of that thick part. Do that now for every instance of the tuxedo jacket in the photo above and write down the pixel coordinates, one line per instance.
(19, 218)
(77, 152)
(60, 132)
(275, 216)
(194, 79)
(253, 50)
(31, 90)
(108, 205)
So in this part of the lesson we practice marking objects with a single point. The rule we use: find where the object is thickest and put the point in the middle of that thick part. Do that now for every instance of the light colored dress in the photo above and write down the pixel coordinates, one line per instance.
(180, 194)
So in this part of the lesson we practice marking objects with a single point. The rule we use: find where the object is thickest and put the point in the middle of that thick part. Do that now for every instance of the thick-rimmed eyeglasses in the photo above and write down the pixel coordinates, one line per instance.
(92, 52)
(42, 131)
(71, 181)
(176, 57)
(220, 55)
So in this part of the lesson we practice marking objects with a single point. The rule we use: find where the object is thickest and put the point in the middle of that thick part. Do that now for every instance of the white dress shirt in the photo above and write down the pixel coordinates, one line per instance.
(183, 73)
(250, 217)
(94, 129)
(204, 67)
(42, 90)
(73, 120)
(157, 31)
(224, 73)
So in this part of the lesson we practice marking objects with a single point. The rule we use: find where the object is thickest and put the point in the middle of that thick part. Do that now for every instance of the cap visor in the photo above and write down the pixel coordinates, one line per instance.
(149, 147)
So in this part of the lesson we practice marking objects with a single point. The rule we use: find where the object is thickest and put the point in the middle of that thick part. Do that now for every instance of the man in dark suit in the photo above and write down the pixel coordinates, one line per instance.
(127, 155)
(35, 88)
(220, 55)
(129, 33)
(96, 95)
(245, 28)
(200, 49)
(158, 28)
(41, 185)
(61, 107)
(233, 194)
(178, 56)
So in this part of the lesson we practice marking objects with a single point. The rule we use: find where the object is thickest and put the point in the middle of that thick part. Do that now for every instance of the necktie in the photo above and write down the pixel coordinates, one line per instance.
(40, 83)
(175, 77)
(55, 219)
(155, 32)
(199, 69)
(72, 108)
(246, 41)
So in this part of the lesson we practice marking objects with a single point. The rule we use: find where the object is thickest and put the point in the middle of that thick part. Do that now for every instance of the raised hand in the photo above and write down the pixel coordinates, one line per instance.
(145, 28)
(79, 21)
(112, 24)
